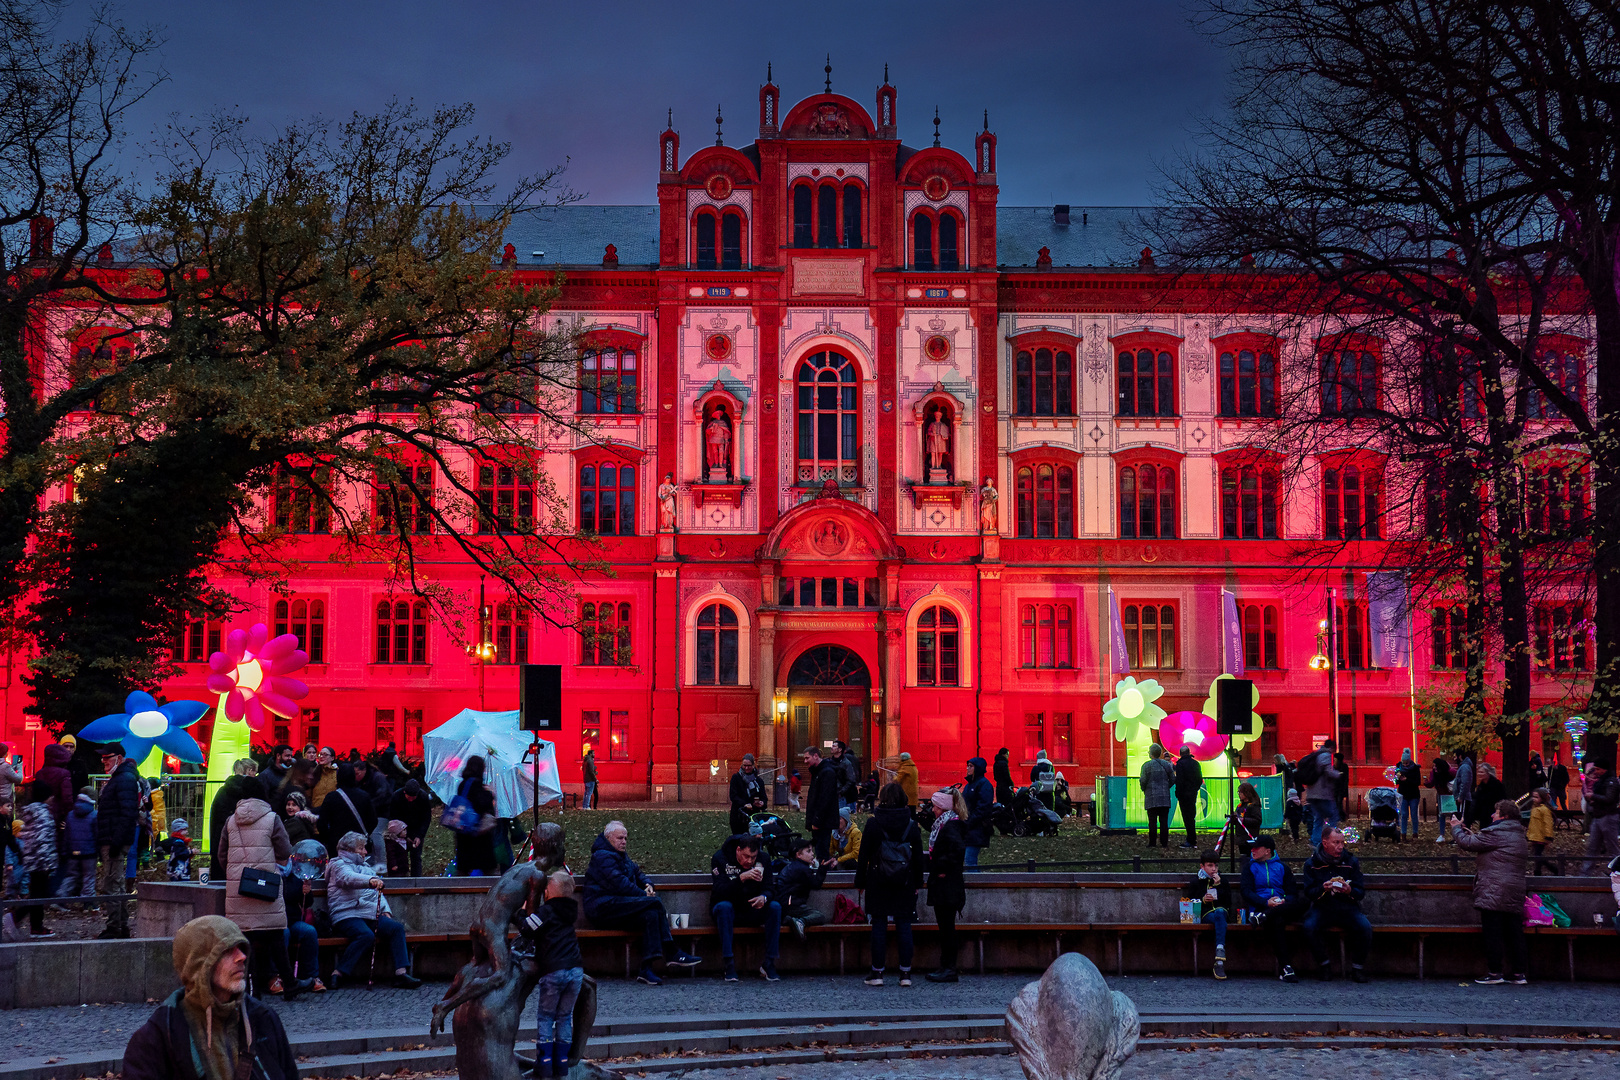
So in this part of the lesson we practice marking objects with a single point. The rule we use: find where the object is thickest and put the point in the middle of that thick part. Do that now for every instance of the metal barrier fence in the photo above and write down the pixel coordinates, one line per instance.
(185, 795)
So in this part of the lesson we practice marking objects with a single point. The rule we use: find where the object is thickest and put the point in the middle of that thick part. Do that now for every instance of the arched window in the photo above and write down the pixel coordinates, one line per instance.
(607, 499)
(1350, 497)
(607, 381)
(1147, 502)
(803, 227)
(505, 498)
(947, 243)
(717, 646)
(1249, 503)
(1045, 500)
(1147, 382)
(731, 241)
(511, 635)
(705, 242)
(852, 215)
(1047, 633)
(938, 648)
(827, 216)
(402, 631)
(1045, 378)
(307, 619)
(604, 630)
(1259, 636)
(828, 426)
(1349, 381)
(922, 229)
(1150, 635)
(1248, 383)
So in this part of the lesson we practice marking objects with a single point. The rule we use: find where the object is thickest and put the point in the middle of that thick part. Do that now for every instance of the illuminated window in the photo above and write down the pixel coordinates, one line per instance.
(1249, 503)
(1259, 636)
(1248, 383)
(1350, 499)
(618, 736)
(1045, 382)
(828, 419)
(402, 631)
(607, 380)
(505, 498)
(1045, 495)
(307, 619)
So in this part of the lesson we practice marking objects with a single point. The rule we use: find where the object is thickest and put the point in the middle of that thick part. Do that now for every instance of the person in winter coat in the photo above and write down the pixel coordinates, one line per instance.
(562, 973)
(846, 841)
(309, 863)
(587, 773)
(1250, 811)
(348, 809)
(1409, 792)
(1558, 784)
(274, 773)
(374, 782)
(1043, 769)
(906, 777)
(38, 839)
(1269, 890)
(1334, 888)
(802, 874)
(177, 850)
(1002, 772)
(1189, 782)
(210, 1029)
(475, 852)
(742, 889)
(1215, 892)
(1285, 769)
(1341, 785)
(118, 815)
(821, 801)
(326, 777)
(1462, 787)
(58, 780)
(411, 805)
(1157, 778)
(301, 823)
(359, 912)
(1321, 794)
(747, 793)
(78, 856)
(618, 896)
(1445, 803)
(255, 839)
(1490, 791)
(9, 776)
(1539, 831)
(1603, 804)
(1538, 771)
(947, 891)
(1499, 850)
(981, 803)
(243, 783)
(889, 872)
(849, 774)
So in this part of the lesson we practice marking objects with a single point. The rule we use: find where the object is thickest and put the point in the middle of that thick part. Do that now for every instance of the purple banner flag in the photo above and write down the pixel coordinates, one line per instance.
(1389, 620)
(1231, 635)
(1119, 659)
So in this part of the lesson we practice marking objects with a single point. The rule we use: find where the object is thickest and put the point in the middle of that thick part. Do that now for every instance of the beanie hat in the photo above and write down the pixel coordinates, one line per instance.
(942, 800)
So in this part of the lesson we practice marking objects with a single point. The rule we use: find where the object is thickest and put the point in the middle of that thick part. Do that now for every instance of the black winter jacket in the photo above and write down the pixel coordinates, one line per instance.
(795, 882)
(161, 1048)
(883, 899)
(556, 946)
(726, 881)
(821, 801)
(744, 790)
(118, 809)
(334, 818)
(1318, 871)
(611, 874)
(946, 890)
(1189, 777)
(417, 815)
(1197, 887)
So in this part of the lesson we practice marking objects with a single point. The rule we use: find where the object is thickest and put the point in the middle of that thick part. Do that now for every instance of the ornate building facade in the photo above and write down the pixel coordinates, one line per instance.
(874, 458)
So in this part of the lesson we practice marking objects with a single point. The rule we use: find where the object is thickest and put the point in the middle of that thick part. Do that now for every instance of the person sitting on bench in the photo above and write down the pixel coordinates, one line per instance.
(802, 873)
(742, 888)
(1334, 888)
(1270, 893)
(618, 896)
(1216, 894)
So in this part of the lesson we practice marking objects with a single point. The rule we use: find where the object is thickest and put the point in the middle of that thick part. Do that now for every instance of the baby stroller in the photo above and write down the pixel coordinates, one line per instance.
(1030, 817)
(773, 833)
(1381, 804)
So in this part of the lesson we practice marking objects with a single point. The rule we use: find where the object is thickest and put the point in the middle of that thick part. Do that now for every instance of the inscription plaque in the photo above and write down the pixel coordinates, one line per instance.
(821, 277)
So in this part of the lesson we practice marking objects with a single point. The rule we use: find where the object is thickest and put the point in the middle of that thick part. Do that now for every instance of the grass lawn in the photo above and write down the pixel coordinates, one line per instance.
(668, 841)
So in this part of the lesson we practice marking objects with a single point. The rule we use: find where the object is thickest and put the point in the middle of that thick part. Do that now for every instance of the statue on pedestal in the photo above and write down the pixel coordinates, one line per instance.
(987, 508)
(717, 445)
(666, 504)
(937, 443)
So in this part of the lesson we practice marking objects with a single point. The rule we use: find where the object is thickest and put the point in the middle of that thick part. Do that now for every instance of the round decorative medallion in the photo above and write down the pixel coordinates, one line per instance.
(719, 186)
(936, 187)
(830, 537)
(718, 346)
(937, 348)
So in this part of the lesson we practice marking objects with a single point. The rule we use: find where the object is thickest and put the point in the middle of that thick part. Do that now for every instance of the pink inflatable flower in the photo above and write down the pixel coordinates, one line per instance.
(1193, 730)
(252, 674)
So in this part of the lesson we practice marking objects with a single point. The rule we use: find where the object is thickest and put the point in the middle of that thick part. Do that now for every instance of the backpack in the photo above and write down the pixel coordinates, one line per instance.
(894, 861)
(1309, 770)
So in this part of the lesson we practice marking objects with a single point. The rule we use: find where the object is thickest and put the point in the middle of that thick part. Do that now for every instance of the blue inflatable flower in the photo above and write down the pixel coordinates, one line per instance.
(145, 724)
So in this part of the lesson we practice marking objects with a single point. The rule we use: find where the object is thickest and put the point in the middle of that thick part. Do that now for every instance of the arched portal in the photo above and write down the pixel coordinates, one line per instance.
(829, 700)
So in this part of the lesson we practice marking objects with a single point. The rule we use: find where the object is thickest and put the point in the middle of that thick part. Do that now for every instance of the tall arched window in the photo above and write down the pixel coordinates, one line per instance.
(803, 227)
(1248, 503)
(704, 229)
(1147, 502)
(717, 646)
(828, 425)
(827, 216)
(1047, 633)
(852, 215)
(947, 243)
(1350, 497)
(1045, 500)
(731, 241)
(402, 632)
(1147, 382)
(938, 648)
(922, 231)
(1045, 382)
(607, 499)
(1248, 383)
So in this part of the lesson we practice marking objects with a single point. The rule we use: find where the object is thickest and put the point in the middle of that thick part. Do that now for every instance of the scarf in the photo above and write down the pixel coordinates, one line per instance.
(940, 822)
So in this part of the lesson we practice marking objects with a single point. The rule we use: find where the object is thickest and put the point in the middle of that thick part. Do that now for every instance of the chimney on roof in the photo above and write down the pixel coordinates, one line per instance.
(1146, 262)
(610, 258)
(1060, 214)
(104, 255)
(1043, 259)
(509, 256)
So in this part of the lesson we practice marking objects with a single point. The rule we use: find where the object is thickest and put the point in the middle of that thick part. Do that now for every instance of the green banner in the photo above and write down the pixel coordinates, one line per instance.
(1122, 805)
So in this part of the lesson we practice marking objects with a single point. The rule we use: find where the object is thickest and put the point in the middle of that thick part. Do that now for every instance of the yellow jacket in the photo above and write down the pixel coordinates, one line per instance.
(906, 777)
(1541, 824)
(850, 849)
(325, 784)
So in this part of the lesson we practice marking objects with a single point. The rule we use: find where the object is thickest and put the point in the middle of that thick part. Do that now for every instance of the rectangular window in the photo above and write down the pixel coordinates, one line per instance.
(1034, 734)
(852, 592)
(1346, 735)
(1561, 633)
(309, 720)
(1351, 637)
(305, 617)
(195, 640)
(829, 592)
(619, 736)
(401, 632)
(604, 628)
(1150, 635)
(511, 635)
(1260, 624)
(407, 502)
(413, 731)
(608, 376)
(281, 731)
(1349, 382)
(1047, 635)
(1448, 638)
(302, 500)
(871, 597)
(384, 733)
(590, 731)
(1372, 737)
(506, 499)
(1062, 747)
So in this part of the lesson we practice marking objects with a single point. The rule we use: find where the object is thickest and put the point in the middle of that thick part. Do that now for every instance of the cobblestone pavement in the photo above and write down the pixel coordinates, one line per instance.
(83, 1029)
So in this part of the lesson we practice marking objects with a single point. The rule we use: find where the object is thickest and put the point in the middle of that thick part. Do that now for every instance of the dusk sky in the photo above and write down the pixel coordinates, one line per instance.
(1087, 98)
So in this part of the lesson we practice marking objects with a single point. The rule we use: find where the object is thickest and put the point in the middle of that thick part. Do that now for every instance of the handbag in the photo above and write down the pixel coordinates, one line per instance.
(259, 884)
(1448, 804)
(1536, 913)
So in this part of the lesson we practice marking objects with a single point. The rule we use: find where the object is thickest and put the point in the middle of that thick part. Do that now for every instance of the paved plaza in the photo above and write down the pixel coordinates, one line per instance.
(84, 1029)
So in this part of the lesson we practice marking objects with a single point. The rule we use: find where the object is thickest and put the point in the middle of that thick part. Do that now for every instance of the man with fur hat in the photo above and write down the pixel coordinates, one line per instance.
(210, 1029)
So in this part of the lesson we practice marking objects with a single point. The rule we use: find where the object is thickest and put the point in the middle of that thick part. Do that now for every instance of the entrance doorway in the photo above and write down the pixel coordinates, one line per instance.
(829, 698)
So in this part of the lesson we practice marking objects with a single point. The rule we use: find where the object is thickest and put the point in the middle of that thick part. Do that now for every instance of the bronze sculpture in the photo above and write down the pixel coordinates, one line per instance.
(490, 991)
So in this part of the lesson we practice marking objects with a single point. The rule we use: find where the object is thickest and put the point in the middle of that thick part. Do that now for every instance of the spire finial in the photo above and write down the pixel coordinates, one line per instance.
(936, 125)
(987, 119)
(828, 70)
(670, 121)
(719, 137)
(885, 73)
(767, 71)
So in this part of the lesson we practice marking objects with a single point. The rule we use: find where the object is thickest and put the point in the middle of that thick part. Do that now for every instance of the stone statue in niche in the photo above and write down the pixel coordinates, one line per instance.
(1070, 1026)
(717, 446)
(666, 504)
(987, 508)
(937, 447)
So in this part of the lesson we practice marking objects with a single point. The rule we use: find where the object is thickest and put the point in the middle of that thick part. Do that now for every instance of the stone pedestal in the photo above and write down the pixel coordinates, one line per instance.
(666, 545)
(717, 475)
(937, 476)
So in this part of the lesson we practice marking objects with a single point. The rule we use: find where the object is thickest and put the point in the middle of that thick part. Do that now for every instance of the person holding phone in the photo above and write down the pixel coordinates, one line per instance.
(1334, 888)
